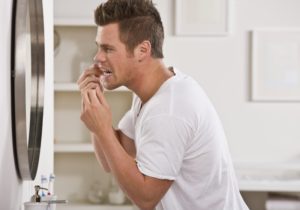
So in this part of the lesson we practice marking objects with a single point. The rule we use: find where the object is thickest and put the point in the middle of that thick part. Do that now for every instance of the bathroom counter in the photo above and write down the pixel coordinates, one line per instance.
(94, 207)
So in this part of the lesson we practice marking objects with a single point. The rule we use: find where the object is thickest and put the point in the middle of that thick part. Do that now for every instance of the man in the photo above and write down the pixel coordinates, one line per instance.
(170, 150)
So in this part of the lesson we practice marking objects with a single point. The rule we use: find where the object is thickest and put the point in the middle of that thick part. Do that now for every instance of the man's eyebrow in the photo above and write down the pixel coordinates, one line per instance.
(104, 45)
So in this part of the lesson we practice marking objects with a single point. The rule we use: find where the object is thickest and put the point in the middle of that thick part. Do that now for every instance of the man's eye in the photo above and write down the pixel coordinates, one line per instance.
(108, 50)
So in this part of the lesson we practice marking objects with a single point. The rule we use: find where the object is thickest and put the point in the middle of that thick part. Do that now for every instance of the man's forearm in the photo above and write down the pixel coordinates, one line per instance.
(141, 190)
(118, 165)
(99, 153)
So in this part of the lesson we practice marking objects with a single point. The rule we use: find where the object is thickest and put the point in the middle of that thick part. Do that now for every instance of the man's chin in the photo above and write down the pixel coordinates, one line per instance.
(110, 87)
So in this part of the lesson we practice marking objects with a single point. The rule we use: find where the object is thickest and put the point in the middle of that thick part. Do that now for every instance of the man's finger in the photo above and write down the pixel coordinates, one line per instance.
(93, 96)
(92, 85)
(93, 70)
(87, 80)
(101, 97)
(86, 99)
(82, 105)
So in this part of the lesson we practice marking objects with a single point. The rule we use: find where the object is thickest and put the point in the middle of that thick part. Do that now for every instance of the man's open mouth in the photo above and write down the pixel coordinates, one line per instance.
(106, 72)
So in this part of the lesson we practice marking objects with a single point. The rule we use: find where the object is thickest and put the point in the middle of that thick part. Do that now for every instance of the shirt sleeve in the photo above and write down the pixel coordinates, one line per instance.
(162, 146)
(126, 125)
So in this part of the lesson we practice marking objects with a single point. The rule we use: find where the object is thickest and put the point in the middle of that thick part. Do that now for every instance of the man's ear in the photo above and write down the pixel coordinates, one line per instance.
(143, 50)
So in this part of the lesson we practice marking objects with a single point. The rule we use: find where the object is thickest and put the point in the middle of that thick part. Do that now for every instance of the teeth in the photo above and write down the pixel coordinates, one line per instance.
(106, 71)
(106, 74)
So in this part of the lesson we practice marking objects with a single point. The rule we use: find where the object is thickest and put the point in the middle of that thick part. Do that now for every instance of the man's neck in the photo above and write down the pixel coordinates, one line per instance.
(149, 80)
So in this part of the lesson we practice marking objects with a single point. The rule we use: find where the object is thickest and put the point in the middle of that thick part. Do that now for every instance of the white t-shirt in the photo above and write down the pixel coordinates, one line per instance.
(178, 136)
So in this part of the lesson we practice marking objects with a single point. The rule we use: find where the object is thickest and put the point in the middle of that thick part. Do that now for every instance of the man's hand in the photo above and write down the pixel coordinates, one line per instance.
(90, 79)
(96, 113)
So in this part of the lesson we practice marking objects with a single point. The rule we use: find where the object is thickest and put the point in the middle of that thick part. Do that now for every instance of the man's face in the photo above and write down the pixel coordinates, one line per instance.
(112, 58)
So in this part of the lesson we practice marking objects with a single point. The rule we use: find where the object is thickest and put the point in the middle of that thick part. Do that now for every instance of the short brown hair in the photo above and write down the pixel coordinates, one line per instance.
(138, 20)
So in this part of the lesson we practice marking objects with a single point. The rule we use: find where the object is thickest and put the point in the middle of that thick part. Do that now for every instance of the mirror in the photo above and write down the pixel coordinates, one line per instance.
(27, 84)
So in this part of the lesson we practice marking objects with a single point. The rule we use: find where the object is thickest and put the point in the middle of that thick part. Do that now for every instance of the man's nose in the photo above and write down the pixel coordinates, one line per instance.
(100, 56)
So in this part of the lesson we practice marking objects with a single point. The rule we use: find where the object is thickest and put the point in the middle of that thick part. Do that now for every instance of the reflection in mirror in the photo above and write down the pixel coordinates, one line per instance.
(27, 85)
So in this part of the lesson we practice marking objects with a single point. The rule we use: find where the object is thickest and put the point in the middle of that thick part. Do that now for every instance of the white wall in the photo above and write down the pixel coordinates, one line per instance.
(256, 131)
(13, 191)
